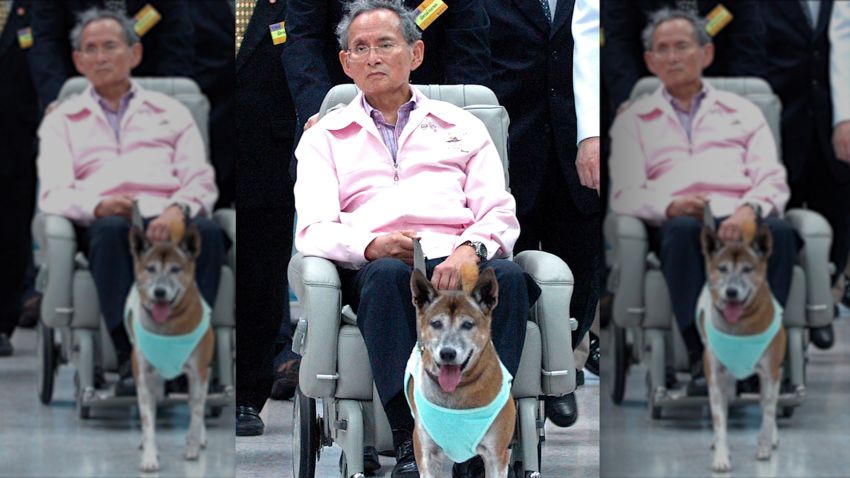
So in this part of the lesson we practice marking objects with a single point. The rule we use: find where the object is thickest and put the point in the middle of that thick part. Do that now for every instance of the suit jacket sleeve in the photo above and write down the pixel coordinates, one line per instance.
(585, 30)
(49, 55)
(839, 61)
(467, 52)
(303, 55)
(173, 41)
(623, 59)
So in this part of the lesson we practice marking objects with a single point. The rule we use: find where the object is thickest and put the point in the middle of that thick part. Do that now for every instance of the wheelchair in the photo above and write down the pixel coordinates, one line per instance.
(71, 329)
(643, 328)
(335, 366)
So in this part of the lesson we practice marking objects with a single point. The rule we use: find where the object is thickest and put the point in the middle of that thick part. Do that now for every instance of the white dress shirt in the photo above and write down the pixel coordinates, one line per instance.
(585, 30)
(839, 61)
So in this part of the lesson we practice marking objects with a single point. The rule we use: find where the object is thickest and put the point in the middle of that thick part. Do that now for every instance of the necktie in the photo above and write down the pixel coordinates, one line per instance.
(244, 10)
(687, 6)
(546, 10)
(5, 6)
(119, 6)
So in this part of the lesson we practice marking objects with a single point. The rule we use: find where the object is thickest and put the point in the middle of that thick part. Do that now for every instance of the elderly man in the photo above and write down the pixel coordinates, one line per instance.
(117, 143)
(688, 145)
(391, 166)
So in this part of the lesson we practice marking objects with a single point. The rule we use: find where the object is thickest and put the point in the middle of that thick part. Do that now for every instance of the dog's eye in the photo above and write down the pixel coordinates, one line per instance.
(176, 269)
(467, 325)
(746, 269)
(723, 269)
(436, 324)
(151, 269)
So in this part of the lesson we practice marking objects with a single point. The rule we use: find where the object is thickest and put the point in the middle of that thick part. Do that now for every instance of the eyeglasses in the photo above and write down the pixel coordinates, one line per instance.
(361, 52)
(108, 49)
(679, 49)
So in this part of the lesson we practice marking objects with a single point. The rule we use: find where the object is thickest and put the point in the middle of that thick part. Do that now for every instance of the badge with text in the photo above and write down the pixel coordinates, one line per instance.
(25, 38)
(278, 33)
(428, 11)
(146, 18)
(718, 18)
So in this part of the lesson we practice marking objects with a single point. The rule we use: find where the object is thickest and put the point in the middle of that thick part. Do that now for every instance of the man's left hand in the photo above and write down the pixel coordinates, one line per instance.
(730, 228)
(447, 274)
(159, 229)
(587, 162)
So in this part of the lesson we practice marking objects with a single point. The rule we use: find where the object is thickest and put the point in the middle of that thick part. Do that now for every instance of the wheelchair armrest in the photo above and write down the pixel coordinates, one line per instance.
(814, 259)
(631, 244)
(226, 220)
(59, 249)
(317, 285)
(551, 313)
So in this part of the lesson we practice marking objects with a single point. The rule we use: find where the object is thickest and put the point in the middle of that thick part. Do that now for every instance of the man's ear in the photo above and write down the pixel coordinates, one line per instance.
(649, 59)
(136, 51)
(346, 63)
(708, 55)
(486, 291)
(138, 242)
(192, 241)
(422, 290)
(77, 56)
(418, 54)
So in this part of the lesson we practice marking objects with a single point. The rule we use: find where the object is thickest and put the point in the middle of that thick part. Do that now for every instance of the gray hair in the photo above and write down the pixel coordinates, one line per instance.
(407, 19)
(95, 14)
(666, 15)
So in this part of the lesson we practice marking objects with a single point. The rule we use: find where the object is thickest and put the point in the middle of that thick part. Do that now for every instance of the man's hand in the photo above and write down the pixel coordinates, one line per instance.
(159, 229)
(447, 274)
(310, 122)
(841, 141)
(730, 228)
(120, 205)
(687, 206)
(398, 244)
(587, 162)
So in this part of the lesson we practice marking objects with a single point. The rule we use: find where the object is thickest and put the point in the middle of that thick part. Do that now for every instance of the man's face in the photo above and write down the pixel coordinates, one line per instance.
(676, 57)
(104, 57)
(384, 62)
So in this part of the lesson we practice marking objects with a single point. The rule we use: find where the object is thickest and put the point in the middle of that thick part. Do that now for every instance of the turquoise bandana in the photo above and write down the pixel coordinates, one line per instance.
(457, 432)
(167, 353)
(738, 353)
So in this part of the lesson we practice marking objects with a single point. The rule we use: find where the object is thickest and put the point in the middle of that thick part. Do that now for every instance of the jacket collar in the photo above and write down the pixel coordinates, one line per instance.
(657, 103)
(87, 102)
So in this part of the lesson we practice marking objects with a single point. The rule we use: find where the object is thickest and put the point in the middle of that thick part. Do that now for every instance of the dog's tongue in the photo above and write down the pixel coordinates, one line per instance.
(449, 377)
(160, 312)
(732, 312)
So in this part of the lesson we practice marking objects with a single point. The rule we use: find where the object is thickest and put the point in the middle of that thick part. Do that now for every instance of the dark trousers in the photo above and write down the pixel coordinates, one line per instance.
(380, 295)
(677, 243)
(17, 191)
(106, 242)
(265, 239)
(556, 225)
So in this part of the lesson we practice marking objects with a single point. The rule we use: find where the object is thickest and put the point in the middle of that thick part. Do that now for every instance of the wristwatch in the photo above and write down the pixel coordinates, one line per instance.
(479, 247)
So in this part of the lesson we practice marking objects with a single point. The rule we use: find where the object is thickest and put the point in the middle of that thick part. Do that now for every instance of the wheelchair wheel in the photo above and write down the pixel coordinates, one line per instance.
(620, 352)
(47, 362)
(305, 436)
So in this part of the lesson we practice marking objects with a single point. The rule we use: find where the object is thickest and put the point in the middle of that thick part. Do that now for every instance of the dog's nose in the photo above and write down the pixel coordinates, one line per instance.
(159, 293)
(447, 354)
(731, 293)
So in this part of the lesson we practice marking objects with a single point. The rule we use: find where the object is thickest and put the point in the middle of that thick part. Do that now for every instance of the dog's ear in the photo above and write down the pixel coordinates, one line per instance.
(710, 241)
(422, 290)
(486, 291)
(192, 241)
(763, 242)
(138, 242)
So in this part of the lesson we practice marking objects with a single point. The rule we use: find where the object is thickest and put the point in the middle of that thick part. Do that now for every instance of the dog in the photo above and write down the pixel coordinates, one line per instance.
(454, 366)
(735, 303)
(169, 324)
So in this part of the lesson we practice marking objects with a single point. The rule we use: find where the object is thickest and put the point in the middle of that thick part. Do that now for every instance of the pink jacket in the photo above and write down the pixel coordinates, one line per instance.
(160, 158)
(450, 185)
(731, 158)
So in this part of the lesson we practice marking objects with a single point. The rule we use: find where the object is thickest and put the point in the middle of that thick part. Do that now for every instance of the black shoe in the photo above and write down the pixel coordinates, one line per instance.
(562, 411)
(592, 363)
(698, 386)
(125, 386)
(579, 378)
(248, 421)
(405, 461)
(31, 311)
(286, 380)
(472, 468)
(822, 337)
(371, 462)
(6, 348)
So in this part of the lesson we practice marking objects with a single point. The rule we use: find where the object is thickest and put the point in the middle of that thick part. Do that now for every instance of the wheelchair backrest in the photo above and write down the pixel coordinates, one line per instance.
(184, 90)
(478, 100)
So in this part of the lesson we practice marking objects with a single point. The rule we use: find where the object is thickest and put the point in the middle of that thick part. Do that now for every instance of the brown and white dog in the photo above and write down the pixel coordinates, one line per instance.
(459, 366)
(169, 305)
(741, 304)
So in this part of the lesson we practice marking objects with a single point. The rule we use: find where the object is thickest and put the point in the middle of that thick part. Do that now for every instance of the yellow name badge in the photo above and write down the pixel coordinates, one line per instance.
(278, 31)
(428, 11)
(146, 18)
(718, 18)
(25, 38)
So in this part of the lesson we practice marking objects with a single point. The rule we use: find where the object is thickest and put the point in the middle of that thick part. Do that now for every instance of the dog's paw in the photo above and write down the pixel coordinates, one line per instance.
(192, 452)
(149, 463)
(763, 452)
(721, 464)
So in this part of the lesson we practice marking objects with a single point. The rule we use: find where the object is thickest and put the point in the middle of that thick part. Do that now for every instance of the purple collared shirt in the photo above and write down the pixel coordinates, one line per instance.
(390, 133)
(686, 117)
(114, 116)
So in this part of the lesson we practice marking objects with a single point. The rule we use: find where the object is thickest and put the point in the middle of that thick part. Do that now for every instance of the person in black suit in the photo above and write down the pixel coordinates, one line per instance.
(213, 22)
(167, 46)
(18, 123)
(531, 62)
(265, 129)
(456, 44)
(797, 45)
(739, 45)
